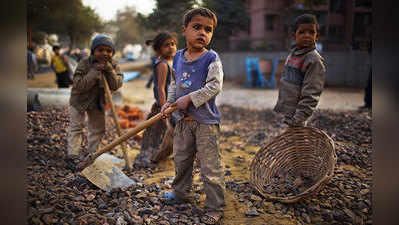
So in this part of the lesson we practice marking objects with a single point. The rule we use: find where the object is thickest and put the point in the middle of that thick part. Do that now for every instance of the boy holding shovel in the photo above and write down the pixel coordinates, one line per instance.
(88, 95)
(197, 79)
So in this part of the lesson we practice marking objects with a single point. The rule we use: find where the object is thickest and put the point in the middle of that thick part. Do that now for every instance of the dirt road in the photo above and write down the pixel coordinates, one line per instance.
(340, 99)
(134, 92)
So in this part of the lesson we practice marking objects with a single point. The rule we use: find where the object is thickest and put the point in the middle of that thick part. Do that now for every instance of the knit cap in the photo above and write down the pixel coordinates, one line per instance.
(102, 39)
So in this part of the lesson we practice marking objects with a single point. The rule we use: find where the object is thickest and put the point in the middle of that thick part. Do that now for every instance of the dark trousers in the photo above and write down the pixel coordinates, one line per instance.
(63, 80)
(367, 92)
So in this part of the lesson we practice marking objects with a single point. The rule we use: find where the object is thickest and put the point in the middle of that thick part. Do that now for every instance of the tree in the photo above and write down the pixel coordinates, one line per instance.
(81, 23)
(127, 27)
(168, 15)
(66, 18)
(232, 18)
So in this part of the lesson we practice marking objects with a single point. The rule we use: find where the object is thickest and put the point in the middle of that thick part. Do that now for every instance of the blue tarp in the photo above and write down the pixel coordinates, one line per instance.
(254, 75)
(127, 76)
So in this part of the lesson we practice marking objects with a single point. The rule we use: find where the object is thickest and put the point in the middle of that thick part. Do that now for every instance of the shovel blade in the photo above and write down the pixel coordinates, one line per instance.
(106, 175)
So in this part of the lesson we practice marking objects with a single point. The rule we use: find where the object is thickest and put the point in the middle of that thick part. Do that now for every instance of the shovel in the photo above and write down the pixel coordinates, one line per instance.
(106, 175)
(118, 127)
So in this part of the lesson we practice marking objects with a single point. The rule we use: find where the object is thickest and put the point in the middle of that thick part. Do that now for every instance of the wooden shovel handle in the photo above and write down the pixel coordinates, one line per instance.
(114, 116)
(132, 132)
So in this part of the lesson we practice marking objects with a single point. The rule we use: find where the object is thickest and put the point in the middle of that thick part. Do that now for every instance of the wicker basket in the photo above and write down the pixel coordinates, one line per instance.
(296, 150)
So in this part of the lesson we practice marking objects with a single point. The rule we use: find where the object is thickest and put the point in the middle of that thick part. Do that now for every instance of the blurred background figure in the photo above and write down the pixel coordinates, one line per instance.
(32, 62)
(147, 52)
(153, 57)
(127, 52)
(132, 52)
(59, 63)
(43, 55)
(78, 54)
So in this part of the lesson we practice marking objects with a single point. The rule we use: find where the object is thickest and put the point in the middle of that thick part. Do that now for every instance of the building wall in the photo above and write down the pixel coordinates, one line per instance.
(260, 36)
(349, 68)
(336, 21)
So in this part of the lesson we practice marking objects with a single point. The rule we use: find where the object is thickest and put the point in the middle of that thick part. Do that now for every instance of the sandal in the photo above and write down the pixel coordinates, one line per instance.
(212, 218)
(171, 199)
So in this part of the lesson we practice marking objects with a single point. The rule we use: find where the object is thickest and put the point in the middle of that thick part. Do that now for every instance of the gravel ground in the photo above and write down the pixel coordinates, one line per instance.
(58, 195)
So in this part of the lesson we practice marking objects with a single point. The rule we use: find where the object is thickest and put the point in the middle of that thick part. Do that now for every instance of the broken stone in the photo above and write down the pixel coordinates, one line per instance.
(252, 212)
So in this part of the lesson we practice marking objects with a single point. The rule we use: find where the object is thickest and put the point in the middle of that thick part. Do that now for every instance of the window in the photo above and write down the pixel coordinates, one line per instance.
(363, 3)
(249, 26)
(247, 3)
(361, 23)
(337, 6)
(323, 2)
(322, 19)
(269, 21)
(309, 4)
(322, 30)
(336, 31)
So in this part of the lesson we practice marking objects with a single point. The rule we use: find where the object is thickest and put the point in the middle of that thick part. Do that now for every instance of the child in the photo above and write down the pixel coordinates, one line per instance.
(32, 62)
(303, 76)
(59, 64)
(157, 139)
(197, 79)
(153, 57)
(88, 95)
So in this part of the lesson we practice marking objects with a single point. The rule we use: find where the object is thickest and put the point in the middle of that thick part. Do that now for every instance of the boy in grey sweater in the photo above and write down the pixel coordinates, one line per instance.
(303, 76)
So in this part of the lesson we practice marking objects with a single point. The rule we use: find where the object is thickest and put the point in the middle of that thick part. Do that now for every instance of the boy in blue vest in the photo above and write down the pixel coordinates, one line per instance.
(197, 79)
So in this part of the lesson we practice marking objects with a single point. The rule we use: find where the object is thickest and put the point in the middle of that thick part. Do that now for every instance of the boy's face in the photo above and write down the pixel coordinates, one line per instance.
(103, 53)
(306, 35)
(198, 32)
(168, 49)
(57, 51)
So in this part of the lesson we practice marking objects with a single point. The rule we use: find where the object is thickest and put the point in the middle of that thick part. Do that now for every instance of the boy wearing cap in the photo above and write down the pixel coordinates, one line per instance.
(88, 95)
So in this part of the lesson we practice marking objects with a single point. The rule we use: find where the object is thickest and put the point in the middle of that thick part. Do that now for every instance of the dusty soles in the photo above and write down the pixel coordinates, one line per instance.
(211, 217)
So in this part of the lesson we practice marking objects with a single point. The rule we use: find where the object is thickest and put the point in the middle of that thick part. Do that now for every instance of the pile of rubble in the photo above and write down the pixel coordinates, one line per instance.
(57, 195)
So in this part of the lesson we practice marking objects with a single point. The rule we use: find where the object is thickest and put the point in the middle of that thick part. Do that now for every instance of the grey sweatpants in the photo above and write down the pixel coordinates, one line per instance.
(190, 138)
(96, 129)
